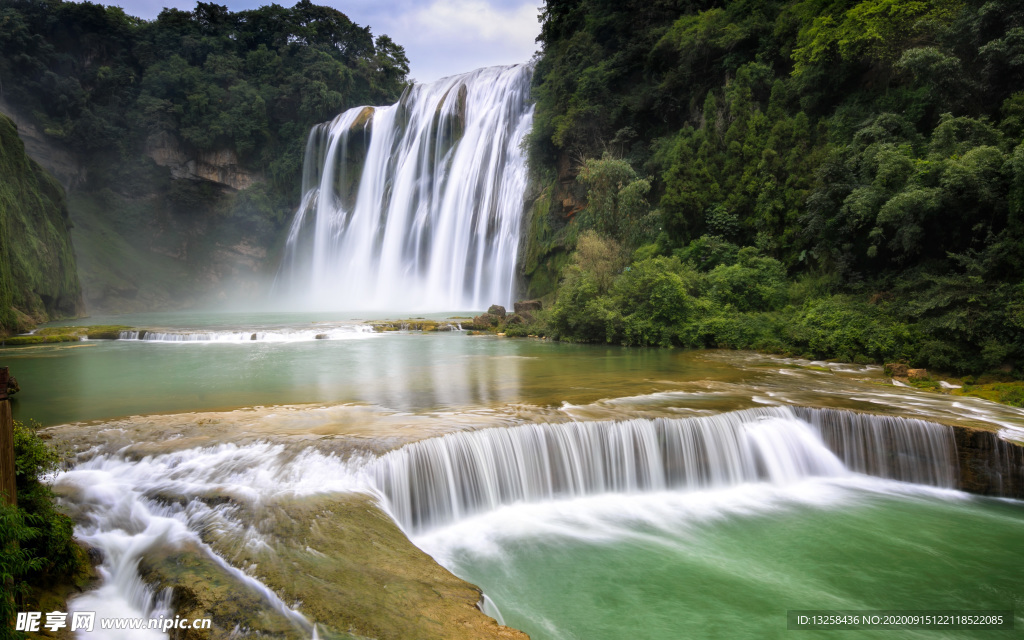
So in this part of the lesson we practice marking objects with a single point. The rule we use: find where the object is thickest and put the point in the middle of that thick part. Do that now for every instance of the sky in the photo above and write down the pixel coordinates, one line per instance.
(441, 37)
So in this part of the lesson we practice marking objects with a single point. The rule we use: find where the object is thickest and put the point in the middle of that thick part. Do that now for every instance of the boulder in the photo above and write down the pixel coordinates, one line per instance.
(496, 310)
(525, 307)
(485, 321)
(917, 374)
(515, 319)
(322, 336)
(896, 370)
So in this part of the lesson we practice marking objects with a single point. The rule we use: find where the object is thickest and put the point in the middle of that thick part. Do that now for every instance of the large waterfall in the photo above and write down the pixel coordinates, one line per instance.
(415, 206)
(441, 480)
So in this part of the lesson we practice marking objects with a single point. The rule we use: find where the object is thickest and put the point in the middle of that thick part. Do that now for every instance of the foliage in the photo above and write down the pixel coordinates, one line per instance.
(836, 178)
(117, 91)
(616, 196)
(37, 549)
(38, 279)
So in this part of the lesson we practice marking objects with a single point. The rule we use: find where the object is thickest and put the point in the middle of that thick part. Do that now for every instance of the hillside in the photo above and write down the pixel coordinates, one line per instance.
(828, 178)
(186, 133)
(38, 276)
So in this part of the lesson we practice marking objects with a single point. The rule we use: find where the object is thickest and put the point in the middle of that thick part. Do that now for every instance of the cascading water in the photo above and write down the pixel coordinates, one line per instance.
(129, 508)
(416, 205)
(441, 480)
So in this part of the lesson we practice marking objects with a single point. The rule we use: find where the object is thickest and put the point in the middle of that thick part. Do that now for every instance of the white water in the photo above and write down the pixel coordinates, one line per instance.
(344, 332)
(441, 480)
(116, 514)
(130, 508)
(417, 206)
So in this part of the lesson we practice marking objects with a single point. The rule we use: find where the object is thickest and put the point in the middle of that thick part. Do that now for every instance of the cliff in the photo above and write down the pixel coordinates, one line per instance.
(38, 275)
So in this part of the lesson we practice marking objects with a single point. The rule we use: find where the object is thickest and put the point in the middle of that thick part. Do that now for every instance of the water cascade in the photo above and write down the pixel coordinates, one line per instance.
(416, 205)
(130, 508)
(441, 480)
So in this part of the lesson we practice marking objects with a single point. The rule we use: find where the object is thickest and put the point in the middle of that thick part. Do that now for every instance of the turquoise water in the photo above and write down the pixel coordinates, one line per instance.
(105, 379)
(730, 564)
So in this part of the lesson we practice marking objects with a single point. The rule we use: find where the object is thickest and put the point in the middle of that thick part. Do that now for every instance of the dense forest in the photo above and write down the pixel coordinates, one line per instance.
(829, 178)
(222, 99)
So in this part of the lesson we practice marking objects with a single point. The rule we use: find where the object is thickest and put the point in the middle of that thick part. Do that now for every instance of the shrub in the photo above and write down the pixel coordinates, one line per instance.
(37, 549)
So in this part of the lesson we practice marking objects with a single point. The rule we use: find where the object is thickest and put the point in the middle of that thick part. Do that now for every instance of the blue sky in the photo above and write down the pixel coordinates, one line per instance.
(441, 37)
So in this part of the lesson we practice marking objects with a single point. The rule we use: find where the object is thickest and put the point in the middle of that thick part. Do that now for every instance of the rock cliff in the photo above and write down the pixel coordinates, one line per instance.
(38, 274)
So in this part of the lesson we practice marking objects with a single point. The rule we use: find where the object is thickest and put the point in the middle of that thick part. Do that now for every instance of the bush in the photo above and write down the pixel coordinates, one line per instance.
(754, 283)
(37, 549)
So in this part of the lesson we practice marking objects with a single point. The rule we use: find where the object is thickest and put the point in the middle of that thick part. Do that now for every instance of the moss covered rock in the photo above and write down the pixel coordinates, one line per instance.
(38, 275)
(355, 572)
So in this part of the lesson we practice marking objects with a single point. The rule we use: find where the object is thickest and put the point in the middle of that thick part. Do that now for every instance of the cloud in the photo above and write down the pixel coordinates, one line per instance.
(454, 36)
(441, 37)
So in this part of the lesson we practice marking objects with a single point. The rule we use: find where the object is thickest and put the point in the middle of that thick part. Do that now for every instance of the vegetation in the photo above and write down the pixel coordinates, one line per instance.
(37, 551)
(831, 178)
(241, 89)
(38, 280)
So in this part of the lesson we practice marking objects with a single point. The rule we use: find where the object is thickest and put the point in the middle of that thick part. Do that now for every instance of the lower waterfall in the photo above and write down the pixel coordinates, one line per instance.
(437, 481)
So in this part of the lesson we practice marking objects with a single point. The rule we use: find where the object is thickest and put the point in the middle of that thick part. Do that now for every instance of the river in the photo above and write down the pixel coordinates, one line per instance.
(589, 491)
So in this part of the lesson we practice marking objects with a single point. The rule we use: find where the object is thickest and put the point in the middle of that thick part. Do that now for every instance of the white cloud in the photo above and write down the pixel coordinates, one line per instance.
(441, 37)
(454, 36)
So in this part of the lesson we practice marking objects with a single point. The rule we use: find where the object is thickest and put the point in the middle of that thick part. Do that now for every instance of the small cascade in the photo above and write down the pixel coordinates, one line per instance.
(441, 480)
(116, 517)
(905, 449)
(347, 332)
(416, 205)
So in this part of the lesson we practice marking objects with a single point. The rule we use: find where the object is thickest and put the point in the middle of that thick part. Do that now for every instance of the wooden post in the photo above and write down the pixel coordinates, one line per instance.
(8, 489)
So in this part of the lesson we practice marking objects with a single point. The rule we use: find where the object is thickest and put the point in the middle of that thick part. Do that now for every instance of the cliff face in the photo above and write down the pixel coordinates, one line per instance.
(221, 166)
(38, 275)
(56, 160)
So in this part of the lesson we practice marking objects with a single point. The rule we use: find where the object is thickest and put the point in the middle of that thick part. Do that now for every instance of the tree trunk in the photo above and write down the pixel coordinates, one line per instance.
(8, 490)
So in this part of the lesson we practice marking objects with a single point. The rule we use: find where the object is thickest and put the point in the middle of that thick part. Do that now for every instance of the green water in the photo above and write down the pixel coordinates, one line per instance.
(731, 565)
(402, 372)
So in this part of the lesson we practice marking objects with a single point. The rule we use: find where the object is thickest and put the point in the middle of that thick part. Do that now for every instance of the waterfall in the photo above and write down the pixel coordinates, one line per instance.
(415, 206)
(441, 480)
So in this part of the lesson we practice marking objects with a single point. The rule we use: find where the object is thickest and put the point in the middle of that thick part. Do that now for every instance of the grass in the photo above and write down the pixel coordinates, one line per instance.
(53, 335)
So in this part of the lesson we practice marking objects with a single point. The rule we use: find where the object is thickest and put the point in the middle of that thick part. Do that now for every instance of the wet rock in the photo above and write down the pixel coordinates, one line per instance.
(496, 310)
(355, 572)
(322, 336)
(252, 337)
(989, 465)
(95, 554)
(202, 588)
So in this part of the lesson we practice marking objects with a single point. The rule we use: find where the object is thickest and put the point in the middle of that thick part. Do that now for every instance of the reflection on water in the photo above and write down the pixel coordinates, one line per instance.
(438, 376)
(407, 372)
